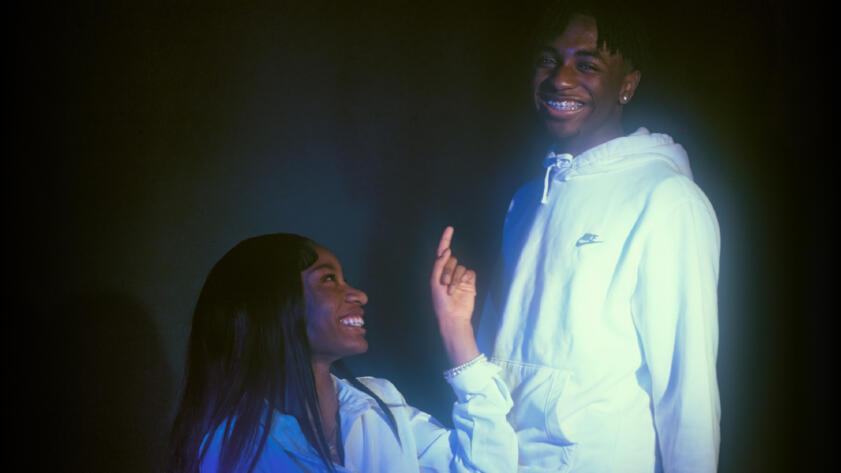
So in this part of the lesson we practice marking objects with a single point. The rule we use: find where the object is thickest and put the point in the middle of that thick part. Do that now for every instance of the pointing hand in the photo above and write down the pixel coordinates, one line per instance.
(453, 286)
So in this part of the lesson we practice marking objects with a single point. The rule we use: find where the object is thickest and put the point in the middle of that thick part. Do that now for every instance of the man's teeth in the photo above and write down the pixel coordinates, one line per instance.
(565, 105)
(354, 321)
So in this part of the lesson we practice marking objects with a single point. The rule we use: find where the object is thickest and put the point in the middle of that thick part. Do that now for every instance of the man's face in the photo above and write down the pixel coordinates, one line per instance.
(579, 88)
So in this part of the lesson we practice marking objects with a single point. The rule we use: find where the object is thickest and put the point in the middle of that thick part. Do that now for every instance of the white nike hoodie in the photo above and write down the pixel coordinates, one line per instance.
(605, 322)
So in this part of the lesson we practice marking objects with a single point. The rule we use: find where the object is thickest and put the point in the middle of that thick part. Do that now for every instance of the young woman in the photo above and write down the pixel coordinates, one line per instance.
(274, 315)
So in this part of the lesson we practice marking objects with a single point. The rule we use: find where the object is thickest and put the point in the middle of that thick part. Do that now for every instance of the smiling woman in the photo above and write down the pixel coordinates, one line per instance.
(274, 315)
(334, 310)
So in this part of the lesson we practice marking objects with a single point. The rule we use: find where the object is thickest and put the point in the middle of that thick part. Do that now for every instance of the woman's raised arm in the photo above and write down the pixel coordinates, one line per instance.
(453, 289)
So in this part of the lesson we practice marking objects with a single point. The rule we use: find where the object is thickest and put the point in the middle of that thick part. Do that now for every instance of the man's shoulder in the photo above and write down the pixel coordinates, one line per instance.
(529, 194)
(529, 190)
(677, 190)
(659, 178)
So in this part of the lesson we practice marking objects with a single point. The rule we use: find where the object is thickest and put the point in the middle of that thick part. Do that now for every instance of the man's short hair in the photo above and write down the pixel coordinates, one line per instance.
(619, 29)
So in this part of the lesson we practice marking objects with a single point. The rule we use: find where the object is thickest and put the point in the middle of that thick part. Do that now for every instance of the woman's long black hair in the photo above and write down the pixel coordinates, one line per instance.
(248, 357)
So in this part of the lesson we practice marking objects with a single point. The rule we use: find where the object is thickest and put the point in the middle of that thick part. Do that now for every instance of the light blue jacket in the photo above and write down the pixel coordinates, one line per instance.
(482, 440)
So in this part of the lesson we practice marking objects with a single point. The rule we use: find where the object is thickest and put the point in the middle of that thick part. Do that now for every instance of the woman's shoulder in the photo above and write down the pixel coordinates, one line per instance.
(383, 388)
(286, 449)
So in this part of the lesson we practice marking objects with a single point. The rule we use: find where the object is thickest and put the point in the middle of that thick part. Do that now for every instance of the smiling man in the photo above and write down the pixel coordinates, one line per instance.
(605, 321)
(580, 87)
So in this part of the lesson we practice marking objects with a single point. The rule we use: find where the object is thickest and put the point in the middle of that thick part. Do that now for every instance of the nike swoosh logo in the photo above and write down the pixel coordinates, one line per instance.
(587, 239)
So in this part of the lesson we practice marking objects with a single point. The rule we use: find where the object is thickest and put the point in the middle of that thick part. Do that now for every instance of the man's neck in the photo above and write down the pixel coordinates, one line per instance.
(578, 144)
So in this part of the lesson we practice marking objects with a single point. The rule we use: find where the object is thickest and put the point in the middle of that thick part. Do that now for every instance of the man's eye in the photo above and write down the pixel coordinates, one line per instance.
(546, 61)
(587, 67)
(329, 277)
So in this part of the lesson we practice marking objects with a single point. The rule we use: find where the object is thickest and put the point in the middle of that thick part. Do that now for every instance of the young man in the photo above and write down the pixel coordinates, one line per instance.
(606, 320)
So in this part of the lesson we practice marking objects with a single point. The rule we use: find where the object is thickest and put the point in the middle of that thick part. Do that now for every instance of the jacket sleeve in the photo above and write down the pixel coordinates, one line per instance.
(482, 439)
(675, 311)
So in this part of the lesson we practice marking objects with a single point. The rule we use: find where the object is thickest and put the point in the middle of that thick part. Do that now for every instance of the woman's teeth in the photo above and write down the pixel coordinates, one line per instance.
(354, 321)
(565, 105)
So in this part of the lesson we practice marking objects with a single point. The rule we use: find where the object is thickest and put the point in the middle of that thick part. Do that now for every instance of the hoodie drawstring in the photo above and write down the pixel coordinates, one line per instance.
(560, 161)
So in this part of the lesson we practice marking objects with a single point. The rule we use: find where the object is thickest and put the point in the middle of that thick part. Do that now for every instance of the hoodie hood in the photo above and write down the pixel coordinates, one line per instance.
(638, 148)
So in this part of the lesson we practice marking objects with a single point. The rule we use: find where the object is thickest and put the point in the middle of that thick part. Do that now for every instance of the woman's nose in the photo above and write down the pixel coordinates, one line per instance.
(356, 295)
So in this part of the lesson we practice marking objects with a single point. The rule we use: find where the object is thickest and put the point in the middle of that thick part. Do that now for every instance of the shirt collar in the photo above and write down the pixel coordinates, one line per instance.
(352, 402)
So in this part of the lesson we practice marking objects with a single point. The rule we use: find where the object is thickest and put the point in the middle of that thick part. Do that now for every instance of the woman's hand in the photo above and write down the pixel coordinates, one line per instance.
(453, 295)
(453, 286)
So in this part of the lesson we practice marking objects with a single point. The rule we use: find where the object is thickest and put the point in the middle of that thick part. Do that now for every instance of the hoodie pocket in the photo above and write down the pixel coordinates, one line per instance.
(537, 392)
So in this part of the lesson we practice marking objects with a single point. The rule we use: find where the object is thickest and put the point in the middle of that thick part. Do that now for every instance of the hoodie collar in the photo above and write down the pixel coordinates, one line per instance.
(626, 151)
(620, 153)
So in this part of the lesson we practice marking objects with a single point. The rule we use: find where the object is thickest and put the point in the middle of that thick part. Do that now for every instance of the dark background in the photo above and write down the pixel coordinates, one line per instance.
(143, 140)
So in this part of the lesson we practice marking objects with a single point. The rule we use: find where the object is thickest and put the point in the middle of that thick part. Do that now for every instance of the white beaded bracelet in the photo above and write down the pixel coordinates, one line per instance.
(453, 372)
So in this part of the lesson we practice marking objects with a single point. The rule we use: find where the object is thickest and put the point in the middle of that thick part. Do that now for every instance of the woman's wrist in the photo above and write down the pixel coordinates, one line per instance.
(459, 342)
(457, 370)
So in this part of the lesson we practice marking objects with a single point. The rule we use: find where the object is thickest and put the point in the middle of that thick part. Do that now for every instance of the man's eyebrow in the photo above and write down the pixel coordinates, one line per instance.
(596, 54)
(587, 53)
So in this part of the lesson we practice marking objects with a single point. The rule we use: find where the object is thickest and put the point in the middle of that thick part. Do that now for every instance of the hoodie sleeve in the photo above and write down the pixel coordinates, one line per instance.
(482, 440)
(675, 311)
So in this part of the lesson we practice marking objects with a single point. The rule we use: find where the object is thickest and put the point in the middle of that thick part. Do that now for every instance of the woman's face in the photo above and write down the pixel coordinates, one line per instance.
(334, 310)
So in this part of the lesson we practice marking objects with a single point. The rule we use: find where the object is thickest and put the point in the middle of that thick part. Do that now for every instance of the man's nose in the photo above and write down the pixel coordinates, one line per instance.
(564, 76)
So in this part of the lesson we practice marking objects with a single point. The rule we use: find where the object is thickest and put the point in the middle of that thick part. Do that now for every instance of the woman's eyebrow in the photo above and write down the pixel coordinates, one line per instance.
(324, 266)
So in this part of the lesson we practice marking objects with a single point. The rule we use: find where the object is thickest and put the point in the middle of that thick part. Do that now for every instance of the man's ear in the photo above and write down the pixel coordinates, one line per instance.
(629, 86)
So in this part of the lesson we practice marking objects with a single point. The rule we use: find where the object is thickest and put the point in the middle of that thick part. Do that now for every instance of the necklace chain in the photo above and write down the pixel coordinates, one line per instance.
(332, 439)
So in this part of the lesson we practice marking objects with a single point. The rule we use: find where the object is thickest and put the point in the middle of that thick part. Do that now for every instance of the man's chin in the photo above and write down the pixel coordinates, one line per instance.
(560, 132)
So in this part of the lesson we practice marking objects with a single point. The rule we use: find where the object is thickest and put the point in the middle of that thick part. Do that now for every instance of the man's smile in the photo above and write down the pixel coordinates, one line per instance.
(561, 106)
(564, 105)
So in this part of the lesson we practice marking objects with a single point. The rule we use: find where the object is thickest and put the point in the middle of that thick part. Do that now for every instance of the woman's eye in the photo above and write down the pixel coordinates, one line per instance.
(329, 277)
(587, 67)
(544, 61)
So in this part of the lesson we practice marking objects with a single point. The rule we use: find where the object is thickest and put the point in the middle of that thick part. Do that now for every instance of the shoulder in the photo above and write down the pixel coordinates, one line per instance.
(528, 192)
(675, 192)
(529, 189)
(676, 207)
(286, 448)
(525, 200)
(660, 179)
(384, 389)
